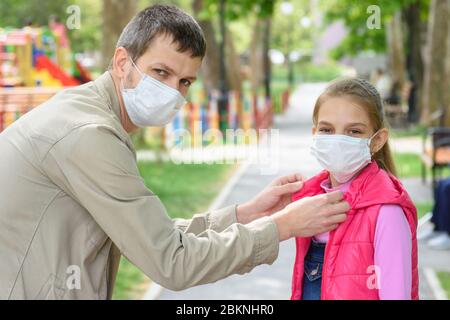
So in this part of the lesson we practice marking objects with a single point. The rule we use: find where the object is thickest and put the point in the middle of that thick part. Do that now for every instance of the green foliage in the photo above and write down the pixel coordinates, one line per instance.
(236, 9)
(15, 13)
(287, 34)
(360, 37)
(88, 37)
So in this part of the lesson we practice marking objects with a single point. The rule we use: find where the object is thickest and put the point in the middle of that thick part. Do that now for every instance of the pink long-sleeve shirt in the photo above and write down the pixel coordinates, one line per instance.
(393, 249)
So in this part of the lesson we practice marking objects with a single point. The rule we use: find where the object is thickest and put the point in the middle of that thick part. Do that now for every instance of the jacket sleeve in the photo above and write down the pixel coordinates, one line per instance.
(217, 220)
(96, 168)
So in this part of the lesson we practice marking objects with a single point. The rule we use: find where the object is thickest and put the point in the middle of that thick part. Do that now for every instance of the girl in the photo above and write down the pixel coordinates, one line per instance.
(373, 254)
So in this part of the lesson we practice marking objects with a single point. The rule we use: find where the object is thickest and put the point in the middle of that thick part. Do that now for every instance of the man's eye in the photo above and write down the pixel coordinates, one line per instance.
(161, 72)
(185, 83)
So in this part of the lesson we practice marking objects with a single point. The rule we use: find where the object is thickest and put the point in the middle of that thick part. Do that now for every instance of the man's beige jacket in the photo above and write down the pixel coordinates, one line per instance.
(72, 202)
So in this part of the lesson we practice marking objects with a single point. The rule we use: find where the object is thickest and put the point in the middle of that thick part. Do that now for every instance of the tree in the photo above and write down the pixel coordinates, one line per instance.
(210, 66)
(257, 56)
(401, 36)
(436, 80)
(116, 14)
(396, 51)
(205, 12)
(16, 13)
(414, 61)
(290, 36)
(447, 82)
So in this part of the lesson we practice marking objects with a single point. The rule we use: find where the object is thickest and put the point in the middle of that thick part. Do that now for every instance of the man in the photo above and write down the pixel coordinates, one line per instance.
(72, 200)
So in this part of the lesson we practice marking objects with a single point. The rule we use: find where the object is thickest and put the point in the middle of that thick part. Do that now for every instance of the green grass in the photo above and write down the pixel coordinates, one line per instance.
(423, 208)
(130, 282)
(184, 189)
(308, 72)
(415, 131)
(444, 278)
(409, 166)
(187, 188)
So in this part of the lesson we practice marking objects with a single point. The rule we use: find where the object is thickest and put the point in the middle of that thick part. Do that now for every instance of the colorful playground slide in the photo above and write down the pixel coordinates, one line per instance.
(44, 63)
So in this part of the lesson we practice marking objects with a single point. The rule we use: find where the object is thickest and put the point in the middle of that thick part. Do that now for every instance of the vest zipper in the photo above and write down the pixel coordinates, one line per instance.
(325, 265)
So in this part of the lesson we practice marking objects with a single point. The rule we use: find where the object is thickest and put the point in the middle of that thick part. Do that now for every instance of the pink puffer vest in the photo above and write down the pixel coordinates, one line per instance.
(348, 270)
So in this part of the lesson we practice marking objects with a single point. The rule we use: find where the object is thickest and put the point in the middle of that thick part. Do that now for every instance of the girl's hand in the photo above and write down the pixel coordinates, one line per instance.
(273, 198)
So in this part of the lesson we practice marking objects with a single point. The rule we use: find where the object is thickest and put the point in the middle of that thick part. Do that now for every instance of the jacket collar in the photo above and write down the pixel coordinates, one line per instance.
(372, 186)
(105, 83)
(107, 90)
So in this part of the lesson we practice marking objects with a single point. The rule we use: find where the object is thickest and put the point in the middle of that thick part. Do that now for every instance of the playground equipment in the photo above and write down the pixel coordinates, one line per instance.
(201, 114)
(33, 67)
(34, 57)
(15, 102)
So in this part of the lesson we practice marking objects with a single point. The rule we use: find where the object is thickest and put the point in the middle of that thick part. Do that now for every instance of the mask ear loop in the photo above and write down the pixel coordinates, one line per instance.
(370, 142)
(138, 70)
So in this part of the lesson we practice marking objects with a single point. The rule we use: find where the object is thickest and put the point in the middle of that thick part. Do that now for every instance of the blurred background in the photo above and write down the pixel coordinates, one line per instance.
(266, 62)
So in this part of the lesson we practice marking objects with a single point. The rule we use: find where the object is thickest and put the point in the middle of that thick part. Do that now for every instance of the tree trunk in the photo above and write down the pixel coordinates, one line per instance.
(446, 85)
(257, 57)
(116, 15)
(210, 68)
(414, 60)
(267, 63)
(435, 86)
(233, 65)
(396, 50)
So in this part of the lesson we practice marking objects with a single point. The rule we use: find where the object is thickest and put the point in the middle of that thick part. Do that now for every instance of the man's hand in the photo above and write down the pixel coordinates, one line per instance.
(311, 215)
(273, 198)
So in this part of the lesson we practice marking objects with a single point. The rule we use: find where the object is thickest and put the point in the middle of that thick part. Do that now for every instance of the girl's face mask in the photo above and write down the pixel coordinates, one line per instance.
(341, 155)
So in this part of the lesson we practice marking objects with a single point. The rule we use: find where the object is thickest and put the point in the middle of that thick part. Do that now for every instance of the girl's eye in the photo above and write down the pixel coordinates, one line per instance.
(325, 130)
(185, 83)
(355, 132)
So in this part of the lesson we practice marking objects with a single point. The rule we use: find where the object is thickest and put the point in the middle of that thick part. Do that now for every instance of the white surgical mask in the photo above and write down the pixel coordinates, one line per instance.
(341, 155)
(151, 102)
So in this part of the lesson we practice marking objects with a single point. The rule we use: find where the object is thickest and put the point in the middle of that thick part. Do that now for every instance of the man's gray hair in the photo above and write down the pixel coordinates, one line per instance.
(162, 20)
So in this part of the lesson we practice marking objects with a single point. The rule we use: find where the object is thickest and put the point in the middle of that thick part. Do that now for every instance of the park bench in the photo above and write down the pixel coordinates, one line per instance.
(397, 114)
(435, 148)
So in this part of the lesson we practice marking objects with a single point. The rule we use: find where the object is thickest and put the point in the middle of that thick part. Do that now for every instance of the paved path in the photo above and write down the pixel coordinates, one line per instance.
(273, 282)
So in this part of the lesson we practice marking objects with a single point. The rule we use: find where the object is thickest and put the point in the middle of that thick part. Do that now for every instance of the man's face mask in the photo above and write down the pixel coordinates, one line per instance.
(151, 102)
(341, 155)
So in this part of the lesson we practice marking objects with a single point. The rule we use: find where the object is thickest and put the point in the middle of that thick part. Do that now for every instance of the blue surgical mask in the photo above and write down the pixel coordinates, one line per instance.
(151, 102)
(343, 156)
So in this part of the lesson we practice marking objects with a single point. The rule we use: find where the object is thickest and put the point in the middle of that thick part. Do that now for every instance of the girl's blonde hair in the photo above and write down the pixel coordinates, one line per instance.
(365, 94)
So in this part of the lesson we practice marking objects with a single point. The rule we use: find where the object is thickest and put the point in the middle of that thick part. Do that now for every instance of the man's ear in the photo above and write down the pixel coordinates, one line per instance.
(379, 140)
(120, 59)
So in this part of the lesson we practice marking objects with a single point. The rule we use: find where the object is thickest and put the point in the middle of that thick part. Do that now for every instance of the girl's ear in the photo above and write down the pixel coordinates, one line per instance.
(314, 130)
(379, 140)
